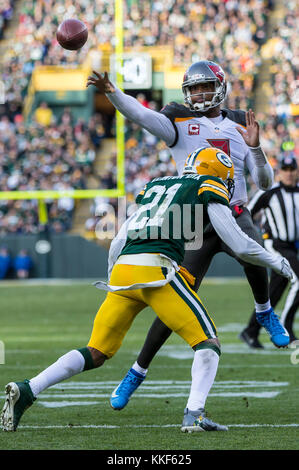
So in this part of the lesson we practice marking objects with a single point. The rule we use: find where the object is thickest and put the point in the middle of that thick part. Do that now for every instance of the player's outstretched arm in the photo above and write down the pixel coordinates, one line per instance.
(156, 123)
(245, 248)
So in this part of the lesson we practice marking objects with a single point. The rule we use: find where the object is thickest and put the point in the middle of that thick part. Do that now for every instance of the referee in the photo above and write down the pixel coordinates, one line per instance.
(280, 227)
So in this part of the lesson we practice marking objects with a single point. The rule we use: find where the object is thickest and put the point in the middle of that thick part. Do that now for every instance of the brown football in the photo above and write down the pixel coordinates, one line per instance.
(72, 34)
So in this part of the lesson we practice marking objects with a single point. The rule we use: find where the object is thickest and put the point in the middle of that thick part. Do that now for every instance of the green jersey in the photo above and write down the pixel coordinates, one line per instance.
(172, 211)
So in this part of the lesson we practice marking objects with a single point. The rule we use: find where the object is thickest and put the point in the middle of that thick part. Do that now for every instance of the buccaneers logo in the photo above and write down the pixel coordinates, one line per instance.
(222, 144)
(218, 72)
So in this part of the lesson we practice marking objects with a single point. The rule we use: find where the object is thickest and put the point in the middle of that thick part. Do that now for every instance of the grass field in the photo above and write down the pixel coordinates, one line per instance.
(255, 393)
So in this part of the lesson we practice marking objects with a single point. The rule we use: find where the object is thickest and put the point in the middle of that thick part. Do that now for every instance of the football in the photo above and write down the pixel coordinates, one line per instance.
(72, 34)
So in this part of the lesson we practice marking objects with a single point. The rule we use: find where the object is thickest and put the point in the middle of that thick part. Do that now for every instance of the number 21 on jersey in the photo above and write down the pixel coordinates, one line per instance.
(155, 218)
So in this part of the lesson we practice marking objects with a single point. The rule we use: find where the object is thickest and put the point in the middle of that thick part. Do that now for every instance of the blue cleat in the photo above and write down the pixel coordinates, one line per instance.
(270, 321)
(121, 395)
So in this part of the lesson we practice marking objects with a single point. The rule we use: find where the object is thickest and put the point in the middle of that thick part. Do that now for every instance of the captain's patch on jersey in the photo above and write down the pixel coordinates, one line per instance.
(193, 129)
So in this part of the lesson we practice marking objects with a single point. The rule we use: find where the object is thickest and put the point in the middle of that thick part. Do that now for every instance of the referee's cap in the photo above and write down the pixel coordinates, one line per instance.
(288, 162)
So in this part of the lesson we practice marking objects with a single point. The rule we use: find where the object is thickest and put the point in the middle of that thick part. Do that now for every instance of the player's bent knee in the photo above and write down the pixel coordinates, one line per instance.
(98, 358)
(211, 343)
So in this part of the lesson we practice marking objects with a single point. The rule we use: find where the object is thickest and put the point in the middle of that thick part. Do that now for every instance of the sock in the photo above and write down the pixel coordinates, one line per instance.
(66, 366)
(139, 369)
(262, 307)
(203, 373)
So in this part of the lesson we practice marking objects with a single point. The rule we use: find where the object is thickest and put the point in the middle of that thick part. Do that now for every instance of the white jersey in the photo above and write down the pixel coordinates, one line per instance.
(194, 130)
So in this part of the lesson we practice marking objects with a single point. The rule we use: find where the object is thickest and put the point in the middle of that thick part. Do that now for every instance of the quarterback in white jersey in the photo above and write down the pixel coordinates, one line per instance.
(200, 124)
(184, 127)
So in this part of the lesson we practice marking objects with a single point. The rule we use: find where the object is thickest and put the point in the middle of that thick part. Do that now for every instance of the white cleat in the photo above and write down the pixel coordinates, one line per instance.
(196, 421)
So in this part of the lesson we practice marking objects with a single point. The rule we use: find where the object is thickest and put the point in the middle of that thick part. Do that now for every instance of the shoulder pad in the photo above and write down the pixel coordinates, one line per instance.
(235, 115)
(176, 110)
(212, 178)
(213, 189)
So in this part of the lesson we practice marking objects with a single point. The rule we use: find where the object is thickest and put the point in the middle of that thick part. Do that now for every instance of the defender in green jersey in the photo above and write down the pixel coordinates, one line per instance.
(172, 211)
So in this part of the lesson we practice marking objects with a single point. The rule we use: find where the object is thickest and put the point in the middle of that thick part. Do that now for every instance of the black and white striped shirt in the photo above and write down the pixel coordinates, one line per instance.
(280, 207)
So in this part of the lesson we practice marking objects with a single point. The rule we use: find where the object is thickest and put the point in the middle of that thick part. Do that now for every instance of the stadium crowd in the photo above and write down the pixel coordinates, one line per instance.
(230, 32)
(280, 125)
(45, 155)
(227, 31)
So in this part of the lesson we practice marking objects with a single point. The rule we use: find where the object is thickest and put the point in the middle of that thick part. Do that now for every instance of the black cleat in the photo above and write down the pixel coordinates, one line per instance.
(251, 341)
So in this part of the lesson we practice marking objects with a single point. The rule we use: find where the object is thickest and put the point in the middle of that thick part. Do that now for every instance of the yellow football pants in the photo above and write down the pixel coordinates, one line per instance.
(176, 304)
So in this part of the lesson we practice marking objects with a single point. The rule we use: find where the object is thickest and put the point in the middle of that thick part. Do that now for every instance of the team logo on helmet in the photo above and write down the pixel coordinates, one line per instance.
(217, 71)
(224, 159)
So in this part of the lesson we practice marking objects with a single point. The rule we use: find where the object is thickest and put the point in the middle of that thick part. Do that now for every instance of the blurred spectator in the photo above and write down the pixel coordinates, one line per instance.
(6, 12)
(22, 264)
(5, 262)
(43, 114)
(142, 99)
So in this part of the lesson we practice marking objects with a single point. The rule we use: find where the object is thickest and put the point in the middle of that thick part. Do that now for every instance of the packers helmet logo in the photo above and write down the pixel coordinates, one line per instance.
(224, 159)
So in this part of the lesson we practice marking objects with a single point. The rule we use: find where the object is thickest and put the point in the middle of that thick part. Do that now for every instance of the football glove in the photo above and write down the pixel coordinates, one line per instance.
(286, 269)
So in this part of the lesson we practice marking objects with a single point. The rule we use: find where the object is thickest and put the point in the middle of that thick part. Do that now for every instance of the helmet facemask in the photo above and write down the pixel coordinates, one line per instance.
(230, 185)
(217, 96)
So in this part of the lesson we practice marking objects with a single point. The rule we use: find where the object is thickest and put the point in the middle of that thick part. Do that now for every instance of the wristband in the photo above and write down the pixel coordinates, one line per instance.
(259, 156)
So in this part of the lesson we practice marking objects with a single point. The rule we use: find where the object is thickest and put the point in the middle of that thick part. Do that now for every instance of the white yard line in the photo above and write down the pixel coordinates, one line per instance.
(107, 426)
(167, 384)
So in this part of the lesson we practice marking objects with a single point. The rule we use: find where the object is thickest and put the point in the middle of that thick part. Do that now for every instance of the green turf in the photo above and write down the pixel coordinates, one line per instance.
(40, 323)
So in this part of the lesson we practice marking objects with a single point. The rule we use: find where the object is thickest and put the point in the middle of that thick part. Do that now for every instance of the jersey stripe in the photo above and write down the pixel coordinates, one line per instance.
(177, 119)
(192, 294)
(221, 190)
(277, 211)
(216, 191)
(215, 187)
(195, 306)
(215, 183)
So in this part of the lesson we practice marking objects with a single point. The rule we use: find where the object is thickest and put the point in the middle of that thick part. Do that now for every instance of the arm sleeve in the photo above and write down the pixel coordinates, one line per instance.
(259, 168)
(156, 123)
(243, 246)
(118, 243)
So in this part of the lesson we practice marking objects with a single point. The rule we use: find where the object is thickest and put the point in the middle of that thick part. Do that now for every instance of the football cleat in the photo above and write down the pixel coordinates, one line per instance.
(195, 421)
(18, 397)
(270, 321)
(121, 395)
(251, 341)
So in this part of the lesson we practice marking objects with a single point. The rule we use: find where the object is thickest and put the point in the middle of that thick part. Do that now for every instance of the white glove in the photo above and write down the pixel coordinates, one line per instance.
(286, 269)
